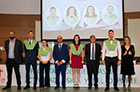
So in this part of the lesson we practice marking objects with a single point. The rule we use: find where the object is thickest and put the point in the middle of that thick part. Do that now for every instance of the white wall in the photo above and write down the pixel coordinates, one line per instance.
(134, 32)
(33, 6)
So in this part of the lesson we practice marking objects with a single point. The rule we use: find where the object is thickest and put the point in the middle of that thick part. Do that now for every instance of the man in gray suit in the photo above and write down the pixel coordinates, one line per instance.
(14, 51)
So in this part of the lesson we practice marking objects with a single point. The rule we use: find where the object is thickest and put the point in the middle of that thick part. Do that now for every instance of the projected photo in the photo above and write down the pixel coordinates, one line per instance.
(91, 15)
(54, 16)
(72, 16)
(110, 14)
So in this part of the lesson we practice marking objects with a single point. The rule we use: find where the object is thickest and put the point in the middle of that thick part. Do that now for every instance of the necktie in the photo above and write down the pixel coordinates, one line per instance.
(30, 42)
(60, 47)
(92, 52)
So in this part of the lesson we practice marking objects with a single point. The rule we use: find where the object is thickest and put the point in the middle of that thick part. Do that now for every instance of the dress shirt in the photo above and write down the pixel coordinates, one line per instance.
(11, 49)
(91, 45)
(108, 53)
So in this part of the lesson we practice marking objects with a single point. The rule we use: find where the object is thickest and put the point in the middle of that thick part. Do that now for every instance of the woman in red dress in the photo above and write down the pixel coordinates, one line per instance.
(76, 52)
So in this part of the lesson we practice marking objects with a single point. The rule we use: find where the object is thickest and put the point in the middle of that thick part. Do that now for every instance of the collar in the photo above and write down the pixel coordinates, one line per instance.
(90, 15)
(92, 44)
(71, 15)
(109, 14)
(29, 39)
(13, 40)
(111, 38)
(60, 44)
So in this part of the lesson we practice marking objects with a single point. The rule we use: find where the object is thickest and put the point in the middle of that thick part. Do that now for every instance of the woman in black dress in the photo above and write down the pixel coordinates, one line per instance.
(127, 66)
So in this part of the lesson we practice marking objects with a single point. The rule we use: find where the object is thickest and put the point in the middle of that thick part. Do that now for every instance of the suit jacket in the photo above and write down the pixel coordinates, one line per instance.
(61, 54)
(18, 50)
(31, 55)
(97, 51)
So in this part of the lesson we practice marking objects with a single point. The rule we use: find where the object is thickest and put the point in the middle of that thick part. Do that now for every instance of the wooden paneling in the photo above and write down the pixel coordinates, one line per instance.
(130, 15)
(21, 24)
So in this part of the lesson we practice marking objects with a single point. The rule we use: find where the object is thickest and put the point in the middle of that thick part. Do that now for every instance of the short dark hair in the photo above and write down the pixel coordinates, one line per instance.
(31, 32)
(92, 36)
(52, 8)
(110, 31)
(79, 42)
(46, 42)
(12, 31)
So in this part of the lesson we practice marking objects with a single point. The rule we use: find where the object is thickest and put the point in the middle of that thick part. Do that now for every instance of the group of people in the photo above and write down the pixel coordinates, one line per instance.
(113, 54)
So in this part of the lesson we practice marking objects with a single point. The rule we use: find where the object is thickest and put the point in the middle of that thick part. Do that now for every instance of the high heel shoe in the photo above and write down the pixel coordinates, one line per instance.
(74, 86)
(129, 88)
(78, 86)
(124, 88)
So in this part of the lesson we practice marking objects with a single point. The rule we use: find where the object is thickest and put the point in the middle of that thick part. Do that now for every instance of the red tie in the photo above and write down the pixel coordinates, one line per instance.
(111, 40)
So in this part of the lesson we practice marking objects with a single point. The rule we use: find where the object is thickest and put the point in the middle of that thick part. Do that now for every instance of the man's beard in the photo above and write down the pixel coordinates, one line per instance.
(11, 38)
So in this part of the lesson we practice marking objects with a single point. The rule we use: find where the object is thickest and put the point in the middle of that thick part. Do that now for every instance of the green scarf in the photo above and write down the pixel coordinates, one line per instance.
(73, 49)
(112, 46)
(44, 52)
(30, 46)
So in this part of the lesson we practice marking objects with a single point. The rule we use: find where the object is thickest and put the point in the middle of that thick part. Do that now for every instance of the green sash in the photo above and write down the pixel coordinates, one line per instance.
(30, 46)
(44, 52)
(112, 46)
(73, 49)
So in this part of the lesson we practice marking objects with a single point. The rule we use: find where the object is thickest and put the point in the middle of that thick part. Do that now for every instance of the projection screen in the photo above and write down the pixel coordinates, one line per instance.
(84, 17)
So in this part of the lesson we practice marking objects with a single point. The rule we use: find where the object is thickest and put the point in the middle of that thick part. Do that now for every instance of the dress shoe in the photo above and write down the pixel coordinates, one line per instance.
(56, 87)
(129, 88)
(116, 88)
(124, 88)
(96, 87)
(34, 88)
(64, 87)
(19, 88)
(6, 88)
(89, 87)
(107, 88)
(26, 87)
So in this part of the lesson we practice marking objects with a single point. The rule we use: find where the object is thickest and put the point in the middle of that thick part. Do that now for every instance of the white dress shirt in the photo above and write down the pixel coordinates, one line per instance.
(11, 49)
(30, 40)
(108, 53)
(91, 51)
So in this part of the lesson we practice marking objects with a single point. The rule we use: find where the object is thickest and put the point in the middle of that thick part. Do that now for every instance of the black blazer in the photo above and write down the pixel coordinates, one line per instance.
(18, 50)
(97, 52)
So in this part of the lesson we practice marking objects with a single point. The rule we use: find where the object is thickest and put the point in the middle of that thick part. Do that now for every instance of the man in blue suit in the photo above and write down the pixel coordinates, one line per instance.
(60, 55)
(31, 51)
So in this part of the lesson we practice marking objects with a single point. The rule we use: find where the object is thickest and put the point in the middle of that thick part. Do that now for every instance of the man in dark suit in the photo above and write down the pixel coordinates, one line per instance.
(60, 55)
(14, 52)
(31, 51)
(92, 53)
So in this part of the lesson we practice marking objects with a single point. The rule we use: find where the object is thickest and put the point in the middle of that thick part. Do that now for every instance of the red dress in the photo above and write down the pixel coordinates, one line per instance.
(76, 61)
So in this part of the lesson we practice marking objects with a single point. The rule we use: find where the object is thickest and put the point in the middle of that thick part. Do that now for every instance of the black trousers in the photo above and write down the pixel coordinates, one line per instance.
(92, 68)
(10, 64)
(111, 62)
(45, 67)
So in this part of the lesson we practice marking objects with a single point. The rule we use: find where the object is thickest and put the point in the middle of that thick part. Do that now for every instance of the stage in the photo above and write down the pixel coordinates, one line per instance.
(68, 89)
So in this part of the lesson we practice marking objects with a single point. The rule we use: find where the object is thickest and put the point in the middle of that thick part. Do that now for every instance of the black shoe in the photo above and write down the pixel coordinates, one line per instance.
(56, 87)
(107, 88)
(19, 88)
(34, 88)
(26, 87)
(6, 88)
(89, 87)
(96, 87)
(64, 87)
(116, 88)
